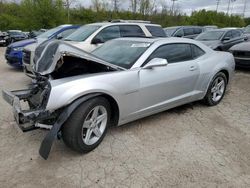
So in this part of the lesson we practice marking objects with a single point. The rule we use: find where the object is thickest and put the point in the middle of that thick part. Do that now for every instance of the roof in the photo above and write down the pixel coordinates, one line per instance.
(152, 40)
(122, 23)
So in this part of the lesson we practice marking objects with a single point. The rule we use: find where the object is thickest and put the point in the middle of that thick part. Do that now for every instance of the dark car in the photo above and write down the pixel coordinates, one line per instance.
(3, 38)
(33, 34)
(247, 32)
(241, 54)
(221, 39)
(15, 35)
(184, 31)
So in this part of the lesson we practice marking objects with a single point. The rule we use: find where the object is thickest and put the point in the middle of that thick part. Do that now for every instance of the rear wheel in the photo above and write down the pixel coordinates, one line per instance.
(216, 90)
(87, 125)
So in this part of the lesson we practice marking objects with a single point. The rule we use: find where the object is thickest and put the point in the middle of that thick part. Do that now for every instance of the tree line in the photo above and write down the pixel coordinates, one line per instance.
(35, 14)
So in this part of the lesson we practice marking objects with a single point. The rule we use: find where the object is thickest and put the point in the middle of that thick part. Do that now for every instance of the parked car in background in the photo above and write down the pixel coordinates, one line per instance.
(3, 38)
(183, 31)
(34, 34)
(221, 39)
(14, 52)
(247, 32)
(15, 35)
(241, 54)
(209, 27)
(91, 36)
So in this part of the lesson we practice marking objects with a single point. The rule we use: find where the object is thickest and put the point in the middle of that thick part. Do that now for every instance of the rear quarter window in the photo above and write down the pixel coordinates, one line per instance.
(156, 31)
(131, 31)
(196, 51)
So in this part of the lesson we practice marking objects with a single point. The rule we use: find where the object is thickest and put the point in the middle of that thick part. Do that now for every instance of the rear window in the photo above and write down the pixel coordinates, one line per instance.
(131, 31)
(156, 31)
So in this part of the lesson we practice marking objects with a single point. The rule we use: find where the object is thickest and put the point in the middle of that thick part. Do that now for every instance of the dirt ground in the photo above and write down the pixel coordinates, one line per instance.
(189, 146)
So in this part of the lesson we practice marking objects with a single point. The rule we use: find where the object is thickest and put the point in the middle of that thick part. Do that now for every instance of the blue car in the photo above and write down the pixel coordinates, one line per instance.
(14, 54)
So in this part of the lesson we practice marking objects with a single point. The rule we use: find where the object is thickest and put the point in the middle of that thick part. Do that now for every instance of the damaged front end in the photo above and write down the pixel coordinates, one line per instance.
(29, 105)
(52, 61)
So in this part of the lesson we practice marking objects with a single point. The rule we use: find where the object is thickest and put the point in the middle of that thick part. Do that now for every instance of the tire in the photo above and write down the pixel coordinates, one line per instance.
(75, 131)
(212, 99)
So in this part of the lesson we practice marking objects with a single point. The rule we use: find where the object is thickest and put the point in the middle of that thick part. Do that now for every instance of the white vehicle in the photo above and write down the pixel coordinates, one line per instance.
(91, 36)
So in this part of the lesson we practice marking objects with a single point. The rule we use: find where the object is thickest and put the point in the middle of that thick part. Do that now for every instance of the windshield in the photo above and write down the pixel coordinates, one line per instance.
(210, 35)
(170, 31)
(117, 56)
(50, 32)
(82, 33)
(16, 33)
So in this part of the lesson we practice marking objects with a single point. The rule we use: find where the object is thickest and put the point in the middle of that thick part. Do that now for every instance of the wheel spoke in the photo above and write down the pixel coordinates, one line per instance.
(97, 131)
(101, 118)
(214, 96)
(87, 124)
(219, 92)
(213, 89)
(88, 135)
(220, 84)
(95, 112)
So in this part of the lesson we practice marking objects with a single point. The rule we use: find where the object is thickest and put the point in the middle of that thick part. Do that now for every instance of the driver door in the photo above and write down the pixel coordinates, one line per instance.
(170, 85)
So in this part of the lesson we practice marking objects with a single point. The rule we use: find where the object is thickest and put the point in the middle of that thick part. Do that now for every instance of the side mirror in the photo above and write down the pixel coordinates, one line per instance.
(59, 36)
(96, 40)
(226, 38)
(156, 62)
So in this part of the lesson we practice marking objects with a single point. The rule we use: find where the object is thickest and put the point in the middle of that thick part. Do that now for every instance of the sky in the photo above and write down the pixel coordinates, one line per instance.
(187, 6)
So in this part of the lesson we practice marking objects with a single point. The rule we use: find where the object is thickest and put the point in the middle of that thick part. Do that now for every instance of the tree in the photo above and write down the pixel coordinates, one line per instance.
(67, 4)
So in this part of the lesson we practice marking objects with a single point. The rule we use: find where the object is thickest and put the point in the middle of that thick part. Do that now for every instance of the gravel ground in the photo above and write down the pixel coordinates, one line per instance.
(189, 146)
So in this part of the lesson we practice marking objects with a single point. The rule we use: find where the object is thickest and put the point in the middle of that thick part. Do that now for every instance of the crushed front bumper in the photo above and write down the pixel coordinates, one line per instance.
(25, 119)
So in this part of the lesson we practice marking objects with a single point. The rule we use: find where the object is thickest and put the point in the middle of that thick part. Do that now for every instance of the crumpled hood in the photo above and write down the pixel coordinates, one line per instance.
(22, 43)
(211, 43)
(244, 46)
(49, 53)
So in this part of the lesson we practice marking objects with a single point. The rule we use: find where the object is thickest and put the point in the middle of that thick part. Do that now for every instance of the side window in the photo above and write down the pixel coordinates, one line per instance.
(179, 33)
(67, 32)
(236, 33)
(109, 33)
(196, 51)
(156, 31)
(173, 53)
(188, 31)
(131, 31)
(197, 30)
(228, 34)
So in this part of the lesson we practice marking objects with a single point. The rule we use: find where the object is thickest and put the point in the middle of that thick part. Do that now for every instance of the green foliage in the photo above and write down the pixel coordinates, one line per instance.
(36, 14)
(220, 19)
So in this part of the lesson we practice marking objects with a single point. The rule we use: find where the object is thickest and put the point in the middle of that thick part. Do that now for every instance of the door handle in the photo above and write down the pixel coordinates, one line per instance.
(192, 68)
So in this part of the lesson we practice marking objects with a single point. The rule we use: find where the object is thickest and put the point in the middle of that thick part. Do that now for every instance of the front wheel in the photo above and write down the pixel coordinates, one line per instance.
(216, 90)
(87, 125)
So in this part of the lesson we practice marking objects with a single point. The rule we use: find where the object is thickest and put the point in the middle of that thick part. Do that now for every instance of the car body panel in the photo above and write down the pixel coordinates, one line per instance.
(145, 93)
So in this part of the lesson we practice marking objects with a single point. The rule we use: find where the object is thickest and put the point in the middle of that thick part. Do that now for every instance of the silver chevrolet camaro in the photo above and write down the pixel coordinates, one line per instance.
(78, 95)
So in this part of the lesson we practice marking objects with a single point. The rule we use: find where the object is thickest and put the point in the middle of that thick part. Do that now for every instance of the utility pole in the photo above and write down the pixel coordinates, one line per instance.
(228, 7)
(217, 6)
(172, 11)
(245, 7)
